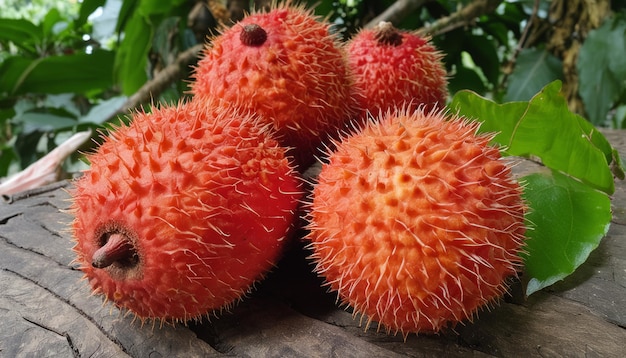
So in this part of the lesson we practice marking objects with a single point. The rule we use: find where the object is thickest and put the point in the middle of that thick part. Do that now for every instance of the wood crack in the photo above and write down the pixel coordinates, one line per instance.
(30, 250)
(51, 188)
(65, 335)
(5, 220)
(74, 307)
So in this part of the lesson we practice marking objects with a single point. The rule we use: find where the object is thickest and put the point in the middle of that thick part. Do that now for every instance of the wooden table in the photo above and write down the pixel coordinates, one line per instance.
(46, 310)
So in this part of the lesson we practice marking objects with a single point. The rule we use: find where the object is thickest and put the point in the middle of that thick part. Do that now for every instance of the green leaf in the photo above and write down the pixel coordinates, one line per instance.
(7, 158)
(44, 122)
(497, 29)
(568, 220)
(152, 7)
(510, 16)
(126, 12)
(11, 71)
(483, 52)
(104, 110)
(466, 78)
(534, 69)
(544, 127)
(49, 21)
(26, 148)
(602, 68)
(22, 33)
(87, 8)
(76, 73)
(132, 58)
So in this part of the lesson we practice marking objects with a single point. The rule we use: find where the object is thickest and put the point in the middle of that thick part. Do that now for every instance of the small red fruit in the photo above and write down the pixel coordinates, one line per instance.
(285, 66)
(396, 68)
(416, 221)
(183, 210)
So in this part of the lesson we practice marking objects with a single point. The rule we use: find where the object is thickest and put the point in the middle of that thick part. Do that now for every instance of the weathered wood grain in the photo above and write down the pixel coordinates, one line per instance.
(46, 310)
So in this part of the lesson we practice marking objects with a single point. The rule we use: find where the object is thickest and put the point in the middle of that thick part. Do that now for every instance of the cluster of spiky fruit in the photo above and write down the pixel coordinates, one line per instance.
(414, 220)
(286, 67)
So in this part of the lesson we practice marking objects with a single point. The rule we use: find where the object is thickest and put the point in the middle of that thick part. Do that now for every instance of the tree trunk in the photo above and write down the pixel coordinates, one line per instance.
(571, 21)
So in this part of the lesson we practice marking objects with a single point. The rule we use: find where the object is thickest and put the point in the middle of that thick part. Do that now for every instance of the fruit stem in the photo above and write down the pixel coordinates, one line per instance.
(117, 248)
(386, 34)
(253, 35)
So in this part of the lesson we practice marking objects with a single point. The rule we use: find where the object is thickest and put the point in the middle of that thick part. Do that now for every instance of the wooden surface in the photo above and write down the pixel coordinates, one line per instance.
(46, 310)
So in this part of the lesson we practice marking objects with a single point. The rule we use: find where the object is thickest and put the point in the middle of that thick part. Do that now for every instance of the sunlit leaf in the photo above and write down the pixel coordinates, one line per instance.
(569, 219)
(569, 209)
(545, 128)
(87, 8)
(126, 12)
(132, 58)
(151, 7)
(52, 18)
(76, 73)
(22, 33)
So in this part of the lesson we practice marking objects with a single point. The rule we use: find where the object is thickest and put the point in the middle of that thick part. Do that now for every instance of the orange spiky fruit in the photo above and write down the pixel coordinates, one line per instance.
(285, 66)
(416, 221)
(183, 210)
(395, 68)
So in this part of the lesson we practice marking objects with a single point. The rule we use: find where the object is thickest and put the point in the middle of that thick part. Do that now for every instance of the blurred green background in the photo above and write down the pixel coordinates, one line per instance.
(69, 66)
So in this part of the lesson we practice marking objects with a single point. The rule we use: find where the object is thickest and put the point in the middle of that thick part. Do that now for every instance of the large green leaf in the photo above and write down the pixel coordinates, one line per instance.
(127, 10)
(132, 58)
(567, 213)
(152, 7)
(87, 8)
(76, 73)
(22, 33)
(534, 69)
(545, 128)
(45, 122)
(103, 111)
(602, 68)
(50, 22)
(568, 220)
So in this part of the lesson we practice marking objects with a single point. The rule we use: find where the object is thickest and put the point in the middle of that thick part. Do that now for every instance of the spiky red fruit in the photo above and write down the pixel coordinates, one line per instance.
(183, 210)
(396, 68)
(416, 221)
(286, 67)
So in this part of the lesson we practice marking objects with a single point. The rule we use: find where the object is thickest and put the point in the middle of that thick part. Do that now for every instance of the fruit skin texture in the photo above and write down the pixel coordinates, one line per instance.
(205, 196)
(394, 68)
(297, 79)
(416, 222)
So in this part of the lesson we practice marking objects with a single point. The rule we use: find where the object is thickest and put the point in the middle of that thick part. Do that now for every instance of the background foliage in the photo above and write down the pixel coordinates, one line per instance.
(69, 66)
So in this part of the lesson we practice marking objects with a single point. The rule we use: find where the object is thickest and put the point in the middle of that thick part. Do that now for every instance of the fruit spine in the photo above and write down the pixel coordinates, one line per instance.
(416, 221)
(183, 210)
(395, 68)
(285, 66)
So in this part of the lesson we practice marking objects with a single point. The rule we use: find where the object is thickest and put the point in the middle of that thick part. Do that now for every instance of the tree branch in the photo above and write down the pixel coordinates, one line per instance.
(463, 17)
(162, 80)
(508, 67)
(397, 12)
(394, 14)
